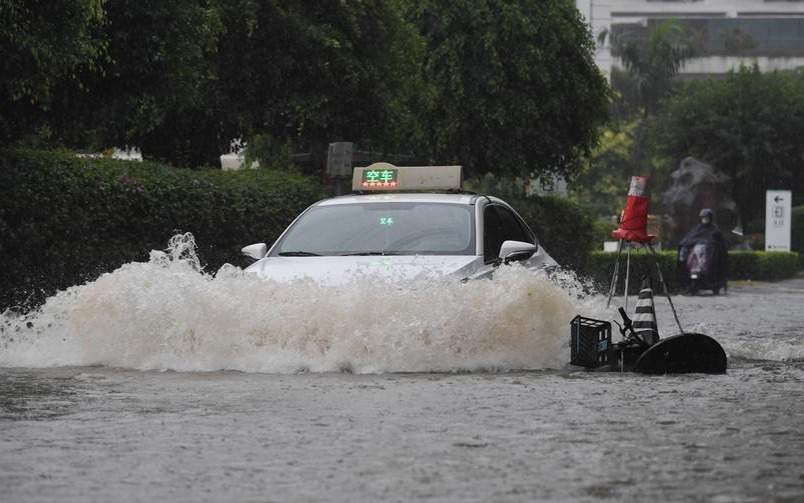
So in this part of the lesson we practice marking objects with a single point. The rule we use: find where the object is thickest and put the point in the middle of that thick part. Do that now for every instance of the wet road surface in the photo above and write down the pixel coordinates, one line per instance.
(100, 434)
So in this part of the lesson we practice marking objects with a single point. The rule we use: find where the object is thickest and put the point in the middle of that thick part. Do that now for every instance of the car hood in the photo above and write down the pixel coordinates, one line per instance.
(336, 270)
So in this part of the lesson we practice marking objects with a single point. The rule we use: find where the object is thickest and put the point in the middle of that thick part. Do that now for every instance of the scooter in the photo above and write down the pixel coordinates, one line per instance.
(698, 266)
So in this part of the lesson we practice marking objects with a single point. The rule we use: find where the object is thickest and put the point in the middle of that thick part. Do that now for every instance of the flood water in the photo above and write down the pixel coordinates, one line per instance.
(99, 404)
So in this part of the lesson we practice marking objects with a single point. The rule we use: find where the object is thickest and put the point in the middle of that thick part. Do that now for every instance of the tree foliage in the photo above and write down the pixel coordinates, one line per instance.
(42, 44)
(602, 181)
(653, 63)
(747, 125)
(307, 73)
(514, 85)
(156, 88)
(508, 87)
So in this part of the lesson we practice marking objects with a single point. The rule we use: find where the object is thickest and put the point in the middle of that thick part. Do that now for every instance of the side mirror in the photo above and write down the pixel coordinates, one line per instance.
(513, 251)
(255, 251)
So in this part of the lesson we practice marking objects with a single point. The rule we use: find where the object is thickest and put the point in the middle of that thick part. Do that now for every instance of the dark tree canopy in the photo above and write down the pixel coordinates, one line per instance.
(185, 77)
(747, 125)
(313, 72)
(42, 44)
(156, 88)
(500, 86)
(515, 86)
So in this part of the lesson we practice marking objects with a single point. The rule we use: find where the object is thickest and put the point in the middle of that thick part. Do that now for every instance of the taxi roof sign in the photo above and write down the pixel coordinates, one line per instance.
(383, 177)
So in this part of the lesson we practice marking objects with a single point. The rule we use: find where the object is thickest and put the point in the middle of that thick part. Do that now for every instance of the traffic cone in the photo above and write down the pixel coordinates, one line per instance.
(645, 318)
(634, 221)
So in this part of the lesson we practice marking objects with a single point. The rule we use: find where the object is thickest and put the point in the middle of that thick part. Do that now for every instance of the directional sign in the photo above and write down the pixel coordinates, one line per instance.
(778, 204)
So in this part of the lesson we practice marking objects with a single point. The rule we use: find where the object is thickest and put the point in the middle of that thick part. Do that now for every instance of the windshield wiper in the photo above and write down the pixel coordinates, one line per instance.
(350, 254)
(298, 254)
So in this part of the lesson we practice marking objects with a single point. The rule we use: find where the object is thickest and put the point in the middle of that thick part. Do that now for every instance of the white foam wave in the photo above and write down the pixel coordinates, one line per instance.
(165, 314)
(789, 349)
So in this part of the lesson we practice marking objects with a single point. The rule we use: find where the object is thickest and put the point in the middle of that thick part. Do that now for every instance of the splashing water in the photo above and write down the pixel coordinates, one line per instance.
(168, 314)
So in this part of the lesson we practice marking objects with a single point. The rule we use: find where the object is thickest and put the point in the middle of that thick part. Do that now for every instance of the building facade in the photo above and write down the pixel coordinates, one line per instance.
(724, 33)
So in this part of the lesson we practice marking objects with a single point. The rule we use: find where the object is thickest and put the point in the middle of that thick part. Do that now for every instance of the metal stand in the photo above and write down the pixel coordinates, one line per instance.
(664, 286)
(627, 276)
(616, 277)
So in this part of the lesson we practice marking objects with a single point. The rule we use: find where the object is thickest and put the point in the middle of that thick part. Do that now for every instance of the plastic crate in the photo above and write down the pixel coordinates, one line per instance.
(590, 342)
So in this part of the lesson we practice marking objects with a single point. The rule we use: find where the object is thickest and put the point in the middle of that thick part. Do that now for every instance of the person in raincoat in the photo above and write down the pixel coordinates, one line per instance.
(703, 256)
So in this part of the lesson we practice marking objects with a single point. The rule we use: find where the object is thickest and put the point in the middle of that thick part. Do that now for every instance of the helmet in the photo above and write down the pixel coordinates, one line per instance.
(706, 212)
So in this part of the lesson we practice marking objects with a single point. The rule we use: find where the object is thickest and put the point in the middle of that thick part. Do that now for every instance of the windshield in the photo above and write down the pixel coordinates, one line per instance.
(382, 229)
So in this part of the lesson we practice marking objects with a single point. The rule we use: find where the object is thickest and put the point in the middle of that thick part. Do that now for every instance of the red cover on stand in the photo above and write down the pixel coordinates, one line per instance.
(634, 221)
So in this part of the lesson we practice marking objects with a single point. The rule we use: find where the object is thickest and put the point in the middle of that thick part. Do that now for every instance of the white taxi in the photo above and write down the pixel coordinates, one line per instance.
(401, 222)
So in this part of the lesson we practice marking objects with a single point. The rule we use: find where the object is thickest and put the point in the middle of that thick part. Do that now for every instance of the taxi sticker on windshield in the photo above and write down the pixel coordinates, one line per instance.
(379, 178)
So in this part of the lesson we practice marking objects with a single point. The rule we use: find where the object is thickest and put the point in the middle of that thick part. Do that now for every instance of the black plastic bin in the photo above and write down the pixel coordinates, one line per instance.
(590, 342)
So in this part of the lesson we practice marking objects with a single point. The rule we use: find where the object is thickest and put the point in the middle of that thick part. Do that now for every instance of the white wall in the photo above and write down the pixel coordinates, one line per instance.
(601, 14)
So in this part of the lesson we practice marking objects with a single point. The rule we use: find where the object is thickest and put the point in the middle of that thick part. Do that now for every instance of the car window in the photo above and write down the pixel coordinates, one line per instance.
(393, 227)
(513, 228)
(499, 225)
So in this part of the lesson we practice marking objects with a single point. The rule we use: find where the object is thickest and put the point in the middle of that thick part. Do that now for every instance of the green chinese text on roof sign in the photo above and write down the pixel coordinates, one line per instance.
(379, 178)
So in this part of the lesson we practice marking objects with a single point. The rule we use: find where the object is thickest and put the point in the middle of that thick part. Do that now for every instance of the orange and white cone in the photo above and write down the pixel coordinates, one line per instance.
(634, 221)
(645, 325)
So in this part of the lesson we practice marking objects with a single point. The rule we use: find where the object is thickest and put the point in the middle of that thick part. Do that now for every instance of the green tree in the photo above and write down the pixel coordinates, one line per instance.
(181, 79)
(747, 125)
(156, 88)
(42, 44)
(514, 86)
(305, 73)
(601, 184)
(651, 63)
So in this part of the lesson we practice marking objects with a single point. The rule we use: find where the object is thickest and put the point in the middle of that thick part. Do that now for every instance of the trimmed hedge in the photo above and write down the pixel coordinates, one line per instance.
(66, 220)
(603, 227)
(743, 265)
(763, 266)
(601, 268)
(797, 233)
